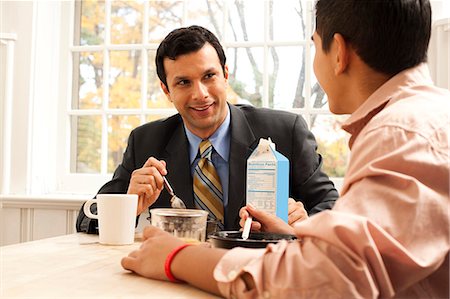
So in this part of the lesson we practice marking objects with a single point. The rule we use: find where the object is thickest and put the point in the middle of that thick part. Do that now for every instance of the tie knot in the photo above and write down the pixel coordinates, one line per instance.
(205, 149)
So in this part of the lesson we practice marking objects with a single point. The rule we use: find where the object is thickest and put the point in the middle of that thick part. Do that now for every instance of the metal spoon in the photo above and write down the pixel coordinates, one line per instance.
(175, 201)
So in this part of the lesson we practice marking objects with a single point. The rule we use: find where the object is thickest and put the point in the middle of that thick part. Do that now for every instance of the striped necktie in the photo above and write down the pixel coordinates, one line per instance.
(208, 193)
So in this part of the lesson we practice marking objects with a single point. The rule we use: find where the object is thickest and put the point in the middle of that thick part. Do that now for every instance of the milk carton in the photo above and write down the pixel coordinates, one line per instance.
(268, 179)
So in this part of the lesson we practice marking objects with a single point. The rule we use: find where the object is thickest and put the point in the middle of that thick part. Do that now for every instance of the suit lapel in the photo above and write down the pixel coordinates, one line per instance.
(242, 143)
(178, 166)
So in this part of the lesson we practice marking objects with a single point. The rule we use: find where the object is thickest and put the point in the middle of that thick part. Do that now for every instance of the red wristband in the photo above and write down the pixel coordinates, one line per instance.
(169, 260)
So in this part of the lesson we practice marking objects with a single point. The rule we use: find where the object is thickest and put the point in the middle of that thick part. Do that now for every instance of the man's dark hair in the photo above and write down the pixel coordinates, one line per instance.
(184, 41)
(388, 35)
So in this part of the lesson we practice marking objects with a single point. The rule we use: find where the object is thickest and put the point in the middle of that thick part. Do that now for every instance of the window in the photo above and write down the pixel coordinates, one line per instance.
(69, 63)
(115, 87)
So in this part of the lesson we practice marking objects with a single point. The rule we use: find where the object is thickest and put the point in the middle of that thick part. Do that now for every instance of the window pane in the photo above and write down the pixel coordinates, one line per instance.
(286, 77)
(245, 75)
(164, 17)
(89, 22)
(86, 143)
(332, 143)
(126, 21)
(87, 80)
(119, 128)
(246, 21)
(288, 19)
(208, 14)
(125, 79)
(155, 96)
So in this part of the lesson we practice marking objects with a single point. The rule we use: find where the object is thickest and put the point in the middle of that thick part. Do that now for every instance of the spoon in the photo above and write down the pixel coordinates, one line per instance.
(175, 201)
(247, 226)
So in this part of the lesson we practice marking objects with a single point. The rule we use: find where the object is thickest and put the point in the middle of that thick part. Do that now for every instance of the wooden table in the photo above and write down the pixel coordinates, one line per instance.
(78, 266)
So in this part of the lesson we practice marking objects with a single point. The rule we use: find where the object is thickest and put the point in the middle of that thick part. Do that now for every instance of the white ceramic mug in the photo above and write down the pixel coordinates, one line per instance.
(116, 214)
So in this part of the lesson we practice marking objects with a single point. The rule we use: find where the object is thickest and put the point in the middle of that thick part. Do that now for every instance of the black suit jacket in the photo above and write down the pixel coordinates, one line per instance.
(166, 140)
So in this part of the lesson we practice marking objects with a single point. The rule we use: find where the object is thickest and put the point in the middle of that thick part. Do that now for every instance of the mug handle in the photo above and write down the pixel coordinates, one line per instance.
(87, 208)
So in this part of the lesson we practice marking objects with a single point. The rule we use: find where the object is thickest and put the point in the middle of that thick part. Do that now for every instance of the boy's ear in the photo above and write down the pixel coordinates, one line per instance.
(342, 54)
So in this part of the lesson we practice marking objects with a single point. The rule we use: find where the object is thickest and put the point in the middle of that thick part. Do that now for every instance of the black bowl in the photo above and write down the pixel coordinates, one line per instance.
(231, 239)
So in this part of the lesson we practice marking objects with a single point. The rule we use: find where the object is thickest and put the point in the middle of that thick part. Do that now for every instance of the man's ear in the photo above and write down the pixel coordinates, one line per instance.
(225, 74)
(165, 90)
(342, 54)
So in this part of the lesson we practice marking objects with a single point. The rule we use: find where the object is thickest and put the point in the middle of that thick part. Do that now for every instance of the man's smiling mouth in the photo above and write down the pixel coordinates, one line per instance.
(202, 108)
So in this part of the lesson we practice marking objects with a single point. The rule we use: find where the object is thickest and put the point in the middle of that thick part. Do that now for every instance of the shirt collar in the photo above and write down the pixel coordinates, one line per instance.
(220, 140)
(384, 94)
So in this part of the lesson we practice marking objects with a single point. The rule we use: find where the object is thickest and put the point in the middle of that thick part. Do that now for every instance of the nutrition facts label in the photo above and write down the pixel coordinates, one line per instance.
(262, 185)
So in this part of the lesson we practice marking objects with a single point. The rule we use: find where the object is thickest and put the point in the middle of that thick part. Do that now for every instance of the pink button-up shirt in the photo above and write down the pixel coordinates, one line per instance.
(388, 234)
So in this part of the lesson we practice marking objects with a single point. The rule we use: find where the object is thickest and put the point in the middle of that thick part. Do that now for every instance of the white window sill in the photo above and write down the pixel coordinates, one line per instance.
(50, 201)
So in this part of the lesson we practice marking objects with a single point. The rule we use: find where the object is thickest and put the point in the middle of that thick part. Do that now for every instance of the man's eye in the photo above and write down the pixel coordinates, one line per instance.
(210, 75)
(183, 82)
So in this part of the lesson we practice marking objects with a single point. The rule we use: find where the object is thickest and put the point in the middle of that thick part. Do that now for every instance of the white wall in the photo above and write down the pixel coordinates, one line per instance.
(11, 12)
(28, 218)
(439, 53)
(25, 218)
(35, 104)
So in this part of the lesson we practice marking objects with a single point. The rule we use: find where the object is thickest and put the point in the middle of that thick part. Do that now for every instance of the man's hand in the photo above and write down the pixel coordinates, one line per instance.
(263, 221)
(296, 212)
(148, 260)
(147, 183)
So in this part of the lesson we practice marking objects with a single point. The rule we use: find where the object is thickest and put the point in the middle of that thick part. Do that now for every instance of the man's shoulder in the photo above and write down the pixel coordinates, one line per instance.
(421, 114)
(159, 126)
(263, 122)
(252, 111)
(416, 111)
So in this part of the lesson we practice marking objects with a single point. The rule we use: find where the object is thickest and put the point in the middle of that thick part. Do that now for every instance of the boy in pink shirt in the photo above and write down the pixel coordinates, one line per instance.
(388, 234)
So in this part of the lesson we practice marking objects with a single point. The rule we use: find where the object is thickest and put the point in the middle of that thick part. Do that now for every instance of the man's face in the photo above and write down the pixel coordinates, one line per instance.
(197, 88)
(324, 71)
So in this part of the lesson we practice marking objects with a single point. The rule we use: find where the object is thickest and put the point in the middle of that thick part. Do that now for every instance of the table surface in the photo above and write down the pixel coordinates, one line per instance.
(78, 266)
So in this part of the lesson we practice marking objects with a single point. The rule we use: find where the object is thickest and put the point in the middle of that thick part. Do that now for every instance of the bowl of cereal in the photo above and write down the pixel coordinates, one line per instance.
(231, 239)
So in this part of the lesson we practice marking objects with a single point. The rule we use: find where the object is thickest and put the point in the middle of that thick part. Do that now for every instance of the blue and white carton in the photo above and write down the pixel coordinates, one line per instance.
(268, 179)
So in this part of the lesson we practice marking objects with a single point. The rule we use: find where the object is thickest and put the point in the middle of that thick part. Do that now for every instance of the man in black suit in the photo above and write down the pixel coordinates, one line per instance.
(191, 66)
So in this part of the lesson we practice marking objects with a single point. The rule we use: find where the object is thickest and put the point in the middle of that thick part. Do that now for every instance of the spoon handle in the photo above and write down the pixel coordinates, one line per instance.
(168, 187)
(247, 226)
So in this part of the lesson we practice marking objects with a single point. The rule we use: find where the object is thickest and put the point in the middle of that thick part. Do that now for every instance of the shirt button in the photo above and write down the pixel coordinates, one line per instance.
(266, 295)
(232, 274)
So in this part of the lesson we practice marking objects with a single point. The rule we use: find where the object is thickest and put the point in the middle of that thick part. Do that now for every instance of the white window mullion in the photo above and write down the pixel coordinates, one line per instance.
(265, 97)
(144, 63)
(224, 21)
(308, 70)
(104, 144)
(144, 85)
(69, 134)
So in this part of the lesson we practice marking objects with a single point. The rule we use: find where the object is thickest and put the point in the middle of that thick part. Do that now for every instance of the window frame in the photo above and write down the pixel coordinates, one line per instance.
(72, 182)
